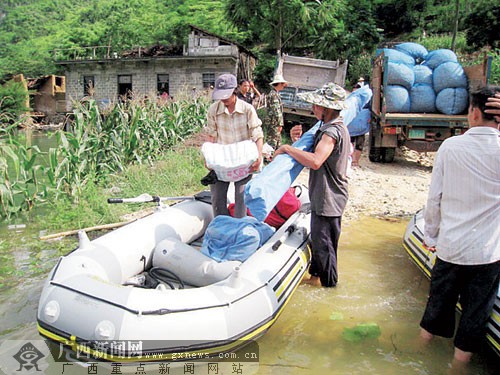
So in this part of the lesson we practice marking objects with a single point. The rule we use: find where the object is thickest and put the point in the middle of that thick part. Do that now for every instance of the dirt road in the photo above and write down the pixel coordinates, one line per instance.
(387, 190)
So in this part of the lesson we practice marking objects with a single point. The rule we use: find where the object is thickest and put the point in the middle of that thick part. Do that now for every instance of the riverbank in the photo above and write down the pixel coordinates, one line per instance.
(397, 189)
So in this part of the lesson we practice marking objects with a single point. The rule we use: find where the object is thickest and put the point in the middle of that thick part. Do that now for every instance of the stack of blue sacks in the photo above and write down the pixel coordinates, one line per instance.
(419, 81)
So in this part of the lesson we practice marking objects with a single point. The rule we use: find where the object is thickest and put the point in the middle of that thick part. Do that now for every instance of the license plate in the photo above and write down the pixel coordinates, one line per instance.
(417, 133)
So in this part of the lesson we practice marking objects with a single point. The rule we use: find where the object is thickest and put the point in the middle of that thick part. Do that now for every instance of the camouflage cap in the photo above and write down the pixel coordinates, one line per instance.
(330, 95)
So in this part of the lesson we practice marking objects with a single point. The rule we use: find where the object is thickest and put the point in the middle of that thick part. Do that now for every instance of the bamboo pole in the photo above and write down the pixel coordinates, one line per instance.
(89, 229)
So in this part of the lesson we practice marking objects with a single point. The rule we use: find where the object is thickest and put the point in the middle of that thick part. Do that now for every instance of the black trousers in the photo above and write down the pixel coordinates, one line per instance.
(219, 197)
(475, 287)
(325, 234)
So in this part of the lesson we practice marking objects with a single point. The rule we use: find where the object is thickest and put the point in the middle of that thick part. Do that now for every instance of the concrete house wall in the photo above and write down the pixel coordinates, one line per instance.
(206, 55)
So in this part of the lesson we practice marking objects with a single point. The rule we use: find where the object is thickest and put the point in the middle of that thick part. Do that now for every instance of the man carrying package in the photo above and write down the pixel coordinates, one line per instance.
(230, 121)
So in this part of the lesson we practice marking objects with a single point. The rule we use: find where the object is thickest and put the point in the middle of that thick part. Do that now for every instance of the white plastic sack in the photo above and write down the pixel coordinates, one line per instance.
(230, 162)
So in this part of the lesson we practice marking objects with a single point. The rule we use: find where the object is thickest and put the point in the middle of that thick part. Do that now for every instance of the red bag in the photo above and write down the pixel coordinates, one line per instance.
(286, 207)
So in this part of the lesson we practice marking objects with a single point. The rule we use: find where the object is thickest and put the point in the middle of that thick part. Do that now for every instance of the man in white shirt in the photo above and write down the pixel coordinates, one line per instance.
(462, 226)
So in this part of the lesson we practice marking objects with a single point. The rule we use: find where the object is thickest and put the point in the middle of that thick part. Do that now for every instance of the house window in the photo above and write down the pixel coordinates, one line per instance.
(125, 86)
(88, 85)
(208, 80)
(162, 85)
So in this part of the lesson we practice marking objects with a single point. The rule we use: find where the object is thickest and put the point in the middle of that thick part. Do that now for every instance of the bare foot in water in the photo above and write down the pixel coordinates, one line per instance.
(313, 281)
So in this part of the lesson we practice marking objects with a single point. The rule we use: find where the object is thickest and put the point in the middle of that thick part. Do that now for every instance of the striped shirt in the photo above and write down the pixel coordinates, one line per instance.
(241, 125)
(463, 207)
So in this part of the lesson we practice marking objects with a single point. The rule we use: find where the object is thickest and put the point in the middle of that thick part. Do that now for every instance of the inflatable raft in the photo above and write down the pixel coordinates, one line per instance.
(424, 259)
(97, 301)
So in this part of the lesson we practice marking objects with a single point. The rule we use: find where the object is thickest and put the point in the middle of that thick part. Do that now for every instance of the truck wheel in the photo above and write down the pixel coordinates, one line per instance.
(388, 154)
(375, 154)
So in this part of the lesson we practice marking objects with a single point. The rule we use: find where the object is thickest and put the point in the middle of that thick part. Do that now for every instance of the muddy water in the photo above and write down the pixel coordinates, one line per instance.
(368, 324)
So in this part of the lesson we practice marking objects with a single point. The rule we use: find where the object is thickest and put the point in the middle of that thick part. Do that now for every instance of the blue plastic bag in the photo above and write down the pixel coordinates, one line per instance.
(229, 238)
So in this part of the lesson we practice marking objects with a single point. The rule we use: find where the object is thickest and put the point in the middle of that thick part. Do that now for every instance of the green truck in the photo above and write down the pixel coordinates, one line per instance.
(421, 132)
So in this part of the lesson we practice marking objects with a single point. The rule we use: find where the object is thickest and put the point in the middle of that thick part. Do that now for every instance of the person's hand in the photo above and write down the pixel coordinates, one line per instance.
(493, 106)
(296, 132)
(432, 249)
(280, 150)
(256, 165)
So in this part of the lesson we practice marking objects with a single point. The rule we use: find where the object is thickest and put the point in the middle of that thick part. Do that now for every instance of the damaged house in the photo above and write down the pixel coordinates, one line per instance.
(108, 76)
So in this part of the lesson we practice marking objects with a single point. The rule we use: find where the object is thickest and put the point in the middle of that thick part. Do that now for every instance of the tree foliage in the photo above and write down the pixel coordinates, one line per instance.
(30, 30)
(486, 14)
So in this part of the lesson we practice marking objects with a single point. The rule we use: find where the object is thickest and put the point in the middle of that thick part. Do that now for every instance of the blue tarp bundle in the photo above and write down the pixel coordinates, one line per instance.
(360, 124)
(266, 188)
(229, 238)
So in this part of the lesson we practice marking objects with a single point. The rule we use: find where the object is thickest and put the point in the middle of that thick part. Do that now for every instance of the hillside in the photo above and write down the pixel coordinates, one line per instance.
(30, 30)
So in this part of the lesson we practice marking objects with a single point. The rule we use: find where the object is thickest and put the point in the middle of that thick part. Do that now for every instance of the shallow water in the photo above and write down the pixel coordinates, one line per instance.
(368, 324)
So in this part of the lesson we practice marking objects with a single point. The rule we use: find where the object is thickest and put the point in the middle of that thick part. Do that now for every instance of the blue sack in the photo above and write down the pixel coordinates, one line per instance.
(360, 124)
(400, 74)
(423, 74)
(449, 75)
(452, 101)
(439, 56)
(422, 99)
(397, 99)
(415, 50)
(229, 238)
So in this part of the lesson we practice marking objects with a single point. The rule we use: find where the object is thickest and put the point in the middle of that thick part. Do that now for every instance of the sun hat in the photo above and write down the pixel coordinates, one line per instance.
(330, 96)
(278, 78)
(224, 87)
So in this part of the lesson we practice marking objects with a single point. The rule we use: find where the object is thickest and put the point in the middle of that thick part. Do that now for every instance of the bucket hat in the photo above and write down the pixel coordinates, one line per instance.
(224, 87)
(330, 96)
(278, 78)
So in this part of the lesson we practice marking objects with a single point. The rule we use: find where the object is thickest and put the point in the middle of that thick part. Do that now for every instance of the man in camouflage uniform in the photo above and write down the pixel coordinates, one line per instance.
(274, 120)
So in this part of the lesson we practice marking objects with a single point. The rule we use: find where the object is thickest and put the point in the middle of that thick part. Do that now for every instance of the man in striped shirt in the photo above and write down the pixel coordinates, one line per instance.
(232, 120)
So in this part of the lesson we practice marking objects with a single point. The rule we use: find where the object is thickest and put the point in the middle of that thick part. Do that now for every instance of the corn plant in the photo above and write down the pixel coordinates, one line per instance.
(130, 132)
(20, 186)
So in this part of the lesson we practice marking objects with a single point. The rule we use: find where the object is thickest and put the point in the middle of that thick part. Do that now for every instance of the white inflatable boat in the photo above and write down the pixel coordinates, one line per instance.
(424, 259)
(96, 300)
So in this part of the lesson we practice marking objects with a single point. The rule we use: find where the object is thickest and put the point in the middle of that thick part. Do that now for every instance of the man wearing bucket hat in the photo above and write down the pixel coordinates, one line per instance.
(231, 120)
(328, 162)
(274, 121)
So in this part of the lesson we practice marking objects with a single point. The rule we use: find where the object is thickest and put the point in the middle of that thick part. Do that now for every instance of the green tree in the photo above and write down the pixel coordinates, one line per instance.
(482, 25)
(284, 24)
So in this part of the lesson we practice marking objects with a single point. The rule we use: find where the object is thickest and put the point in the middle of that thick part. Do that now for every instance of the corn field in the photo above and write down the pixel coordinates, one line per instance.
(99, 143)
